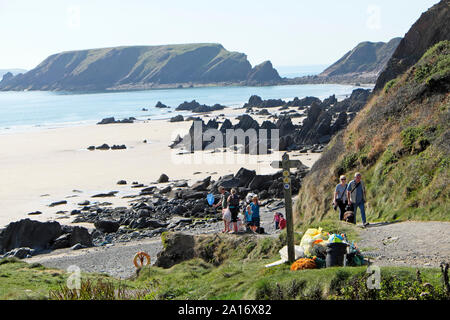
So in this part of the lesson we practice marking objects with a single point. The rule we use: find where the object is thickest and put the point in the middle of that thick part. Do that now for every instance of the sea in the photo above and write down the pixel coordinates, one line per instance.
(36, 110)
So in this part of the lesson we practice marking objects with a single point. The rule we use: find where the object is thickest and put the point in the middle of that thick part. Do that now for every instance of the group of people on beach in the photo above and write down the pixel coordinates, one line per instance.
(230, 204)
(348, 197)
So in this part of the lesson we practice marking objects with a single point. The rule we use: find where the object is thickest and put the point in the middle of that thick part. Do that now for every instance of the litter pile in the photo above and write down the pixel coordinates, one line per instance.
(319, 249)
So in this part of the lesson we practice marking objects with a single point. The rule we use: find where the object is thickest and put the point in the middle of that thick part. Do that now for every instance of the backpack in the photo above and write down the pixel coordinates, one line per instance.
(282, 223)
(234, 201)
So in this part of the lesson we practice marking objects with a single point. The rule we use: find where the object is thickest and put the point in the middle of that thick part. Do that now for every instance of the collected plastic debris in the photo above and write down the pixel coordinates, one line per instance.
(304, 263)
(314, 242)
(298, 251)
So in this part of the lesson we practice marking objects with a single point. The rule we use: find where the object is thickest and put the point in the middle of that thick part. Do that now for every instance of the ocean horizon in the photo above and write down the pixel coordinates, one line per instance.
(34, 110)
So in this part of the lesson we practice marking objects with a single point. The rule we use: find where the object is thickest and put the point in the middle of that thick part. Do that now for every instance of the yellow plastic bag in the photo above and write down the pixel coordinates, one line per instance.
(313, 237)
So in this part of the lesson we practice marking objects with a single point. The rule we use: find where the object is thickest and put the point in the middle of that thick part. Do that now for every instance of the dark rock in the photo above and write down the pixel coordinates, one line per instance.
(181, 184)
(103, 147)
(121, 182)
(163, 178)
(107, 120)
(304, 102)
(177, 118)
(34, 213)
(91, 148)
(19, 253)
(80, 235)
(61, 242)
(28, 233)
(57, 203)
(160, 105)
(107, 226)
(105, 195)
(260, 182)
(84, 203)
(118, 147)
(179, 247)
(245, 176)
(201, 185)
(167, 189)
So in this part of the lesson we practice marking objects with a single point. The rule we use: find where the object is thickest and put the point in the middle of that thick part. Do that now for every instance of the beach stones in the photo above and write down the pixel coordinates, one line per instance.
(163, 178)
(103, 147)
(57, 203)
(106, 226)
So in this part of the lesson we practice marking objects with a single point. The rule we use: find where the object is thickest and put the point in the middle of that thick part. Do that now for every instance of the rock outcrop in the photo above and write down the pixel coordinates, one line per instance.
(429, 29)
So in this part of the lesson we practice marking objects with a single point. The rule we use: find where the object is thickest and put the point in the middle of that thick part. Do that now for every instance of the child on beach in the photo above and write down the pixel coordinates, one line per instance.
(276, 219)
(254, 212)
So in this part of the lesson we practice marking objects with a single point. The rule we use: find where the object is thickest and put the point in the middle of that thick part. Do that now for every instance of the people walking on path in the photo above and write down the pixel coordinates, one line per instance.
(340, 196)
(233, 205)
(356, 195)
(223, 203)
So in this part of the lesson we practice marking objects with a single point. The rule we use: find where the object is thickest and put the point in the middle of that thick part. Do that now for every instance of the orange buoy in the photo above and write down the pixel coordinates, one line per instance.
(139, 259)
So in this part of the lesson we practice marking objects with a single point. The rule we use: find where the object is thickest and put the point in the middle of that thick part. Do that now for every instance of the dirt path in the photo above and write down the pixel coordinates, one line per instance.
(411, 243)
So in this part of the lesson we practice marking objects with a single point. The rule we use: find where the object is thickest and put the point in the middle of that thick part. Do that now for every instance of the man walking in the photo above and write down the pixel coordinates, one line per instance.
(356, 195)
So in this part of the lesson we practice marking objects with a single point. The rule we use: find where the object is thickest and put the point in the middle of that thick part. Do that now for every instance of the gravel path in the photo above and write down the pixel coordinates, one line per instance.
(416, 244)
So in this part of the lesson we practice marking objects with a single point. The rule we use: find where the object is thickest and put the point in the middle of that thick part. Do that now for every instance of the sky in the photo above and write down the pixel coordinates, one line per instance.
(286, 32)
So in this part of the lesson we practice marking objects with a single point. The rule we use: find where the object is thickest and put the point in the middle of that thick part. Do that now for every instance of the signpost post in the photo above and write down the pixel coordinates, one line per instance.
(286, 164)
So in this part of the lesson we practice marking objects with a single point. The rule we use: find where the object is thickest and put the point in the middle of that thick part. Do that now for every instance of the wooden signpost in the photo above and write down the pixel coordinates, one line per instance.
(286, 164)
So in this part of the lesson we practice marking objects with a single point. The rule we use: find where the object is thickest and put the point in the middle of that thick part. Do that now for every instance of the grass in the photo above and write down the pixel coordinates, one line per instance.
(242, 276)
(23, 281)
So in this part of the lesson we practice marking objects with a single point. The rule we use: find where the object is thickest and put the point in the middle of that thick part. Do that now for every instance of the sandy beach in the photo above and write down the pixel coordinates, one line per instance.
(41, 167)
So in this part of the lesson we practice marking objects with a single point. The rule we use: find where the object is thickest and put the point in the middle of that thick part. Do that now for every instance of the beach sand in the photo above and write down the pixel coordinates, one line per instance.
(41, 167)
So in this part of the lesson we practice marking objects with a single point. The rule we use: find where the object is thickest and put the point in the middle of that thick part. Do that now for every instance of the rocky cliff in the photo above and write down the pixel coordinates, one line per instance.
(432, 26)
(140, 67)
(367, 59)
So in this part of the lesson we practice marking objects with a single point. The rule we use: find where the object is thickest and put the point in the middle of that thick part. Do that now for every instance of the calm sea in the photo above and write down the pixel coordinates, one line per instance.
(42, 109)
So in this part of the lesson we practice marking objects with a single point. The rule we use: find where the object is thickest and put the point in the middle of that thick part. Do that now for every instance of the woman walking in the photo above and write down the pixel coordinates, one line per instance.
(340, 196)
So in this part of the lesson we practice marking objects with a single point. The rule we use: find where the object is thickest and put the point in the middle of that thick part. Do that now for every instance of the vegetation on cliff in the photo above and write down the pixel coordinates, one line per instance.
(399, 142)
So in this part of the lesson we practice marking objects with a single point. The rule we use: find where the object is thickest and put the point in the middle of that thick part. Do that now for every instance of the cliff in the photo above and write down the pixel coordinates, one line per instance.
(367, 59)
(432, 26)
(138, 67)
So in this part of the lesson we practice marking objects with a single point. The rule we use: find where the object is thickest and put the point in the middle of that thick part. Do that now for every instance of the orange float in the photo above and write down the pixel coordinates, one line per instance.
(139, 258)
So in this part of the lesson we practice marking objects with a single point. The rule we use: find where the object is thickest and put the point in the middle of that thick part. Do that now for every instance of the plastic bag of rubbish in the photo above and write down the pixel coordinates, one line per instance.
(298, 252)
(311, 238)
(336, 238)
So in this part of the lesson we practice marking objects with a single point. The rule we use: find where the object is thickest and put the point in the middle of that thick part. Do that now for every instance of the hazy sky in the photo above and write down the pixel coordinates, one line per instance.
(287, 32)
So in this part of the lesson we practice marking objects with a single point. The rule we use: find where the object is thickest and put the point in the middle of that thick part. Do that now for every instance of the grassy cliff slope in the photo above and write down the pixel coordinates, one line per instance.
(134, 67)
(400, 144)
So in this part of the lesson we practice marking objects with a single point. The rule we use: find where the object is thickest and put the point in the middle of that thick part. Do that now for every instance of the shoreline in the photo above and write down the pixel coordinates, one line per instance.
(137, 112)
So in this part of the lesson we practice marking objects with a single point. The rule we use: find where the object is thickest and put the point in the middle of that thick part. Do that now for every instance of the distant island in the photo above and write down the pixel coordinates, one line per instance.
(184, 65)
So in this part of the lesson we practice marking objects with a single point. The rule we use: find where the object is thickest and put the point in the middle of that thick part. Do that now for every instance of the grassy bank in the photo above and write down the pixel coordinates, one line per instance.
(240, 274)
(399, 142)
